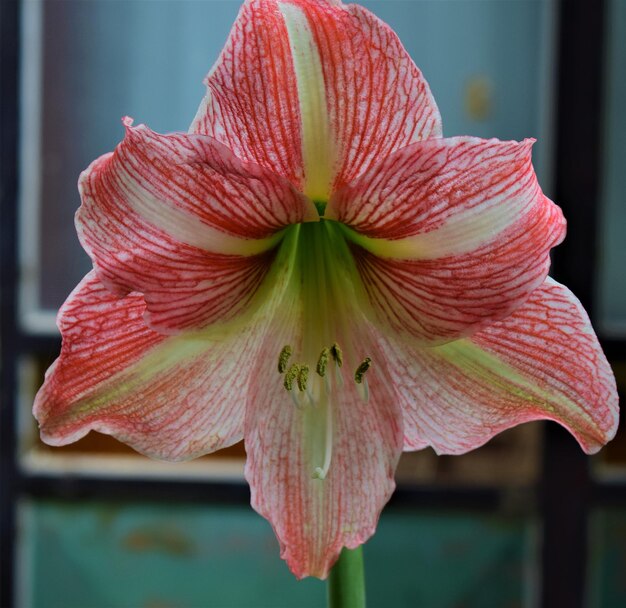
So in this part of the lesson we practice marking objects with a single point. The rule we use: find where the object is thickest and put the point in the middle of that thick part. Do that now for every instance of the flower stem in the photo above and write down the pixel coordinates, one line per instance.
(346, 582)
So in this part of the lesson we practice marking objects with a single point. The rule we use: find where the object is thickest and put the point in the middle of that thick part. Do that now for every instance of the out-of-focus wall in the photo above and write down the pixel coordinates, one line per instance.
(488, 63)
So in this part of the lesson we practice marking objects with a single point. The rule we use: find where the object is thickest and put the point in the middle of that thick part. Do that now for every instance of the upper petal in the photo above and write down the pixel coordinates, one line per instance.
(317, 91)
(168, 397)
(180, 219)
(450, 234)
(542, 362)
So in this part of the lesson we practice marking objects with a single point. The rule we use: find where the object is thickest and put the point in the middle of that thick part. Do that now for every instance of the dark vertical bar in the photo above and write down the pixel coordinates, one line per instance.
(565, 497)
(566, 483)
(9, 11)
(578, 141)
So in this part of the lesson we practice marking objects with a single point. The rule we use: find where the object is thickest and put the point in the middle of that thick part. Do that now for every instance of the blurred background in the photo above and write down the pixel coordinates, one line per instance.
(527, 520)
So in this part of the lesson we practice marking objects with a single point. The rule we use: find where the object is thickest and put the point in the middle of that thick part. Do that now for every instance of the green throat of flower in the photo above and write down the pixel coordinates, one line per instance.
(327, 286)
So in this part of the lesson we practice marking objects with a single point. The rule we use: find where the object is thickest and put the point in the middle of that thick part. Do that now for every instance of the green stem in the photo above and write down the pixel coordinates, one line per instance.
(346, 582)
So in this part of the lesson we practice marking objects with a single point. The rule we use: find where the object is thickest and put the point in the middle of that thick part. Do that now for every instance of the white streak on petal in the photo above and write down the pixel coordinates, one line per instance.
(464, 233)
(316, 142)
(186, 228)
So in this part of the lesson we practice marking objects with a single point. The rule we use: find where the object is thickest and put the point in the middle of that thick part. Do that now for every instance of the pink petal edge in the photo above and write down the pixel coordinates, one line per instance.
(188, 403)
(455, 398)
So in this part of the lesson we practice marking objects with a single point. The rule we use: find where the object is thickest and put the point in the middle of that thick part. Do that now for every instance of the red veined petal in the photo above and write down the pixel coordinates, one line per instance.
(168, 397)
(450, 234)
(180, 219)
(542, 362)
(316, 91)
(312, 518)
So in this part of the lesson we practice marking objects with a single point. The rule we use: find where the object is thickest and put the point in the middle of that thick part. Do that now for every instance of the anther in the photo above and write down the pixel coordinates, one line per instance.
(290, 376)
(283, 359)
(337, 354)
(322, 362)
(360, 371)
(303, 377)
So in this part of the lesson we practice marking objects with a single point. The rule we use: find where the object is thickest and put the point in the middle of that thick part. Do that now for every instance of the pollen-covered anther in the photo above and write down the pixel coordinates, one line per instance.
(303, 377)
(337, 354)
(360, 371)
(291, 376)
(361, 380)
(322, 362)
(283, 358)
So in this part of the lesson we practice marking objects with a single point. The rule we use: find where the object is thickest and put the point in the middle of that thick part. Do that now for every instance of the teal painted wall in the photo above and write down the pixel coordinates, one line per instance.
(92, 555)
(607, 568)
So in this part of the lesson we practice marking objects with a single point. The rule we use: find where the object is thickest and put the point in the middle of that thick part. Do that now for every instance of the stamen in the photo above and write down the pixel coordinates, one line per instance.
(360, 371)
(283, 358)
(303, 377)
(338, 375)
(290, 376)
(322, 362)
(296, 397)
(364, 390)
(337, 354)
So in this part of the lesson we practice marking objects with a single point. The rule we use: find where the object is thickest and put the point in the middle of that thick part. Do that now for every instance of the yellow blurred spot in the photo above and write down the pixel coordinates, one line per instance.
(479, 93)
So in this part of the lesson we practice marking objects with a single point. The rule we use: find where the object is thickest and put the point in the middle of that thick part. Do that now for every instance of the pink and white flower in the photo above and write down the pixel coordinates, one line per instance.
(314, 269)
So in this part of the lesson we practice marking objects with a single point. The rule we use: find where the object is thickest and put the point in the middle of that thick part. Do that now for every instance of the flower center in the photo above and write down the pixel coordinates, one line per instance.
(321, 207)
(327, 286)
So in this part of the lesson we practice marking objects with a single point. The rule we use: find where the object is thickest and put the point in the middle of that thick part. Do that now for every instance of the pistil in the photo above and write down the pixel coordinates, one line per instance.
(321, 472)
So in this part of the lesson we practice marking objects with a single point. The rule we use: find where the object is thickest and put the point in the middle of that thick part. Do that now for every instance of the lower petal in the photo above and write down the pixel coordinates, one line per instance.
(289, 443)
(542, 362)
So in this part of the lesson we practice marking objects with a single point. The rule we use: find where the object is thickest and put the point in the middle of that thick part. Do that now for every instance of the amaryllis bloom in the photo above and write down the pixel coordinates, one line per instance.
(314, 269)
